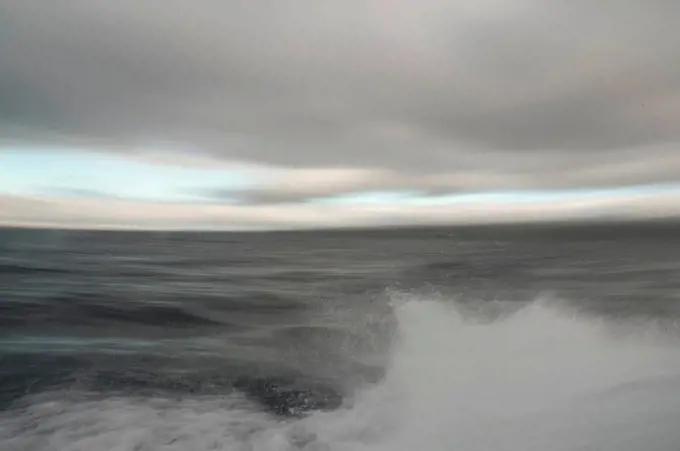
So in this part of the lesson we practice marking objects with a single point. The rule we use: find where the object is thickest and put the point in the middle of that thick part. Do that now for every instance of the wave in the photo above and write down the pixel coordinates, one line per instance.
(87, 309)
(465, 268)
(537, 378)
(82, 310)
(20, 269)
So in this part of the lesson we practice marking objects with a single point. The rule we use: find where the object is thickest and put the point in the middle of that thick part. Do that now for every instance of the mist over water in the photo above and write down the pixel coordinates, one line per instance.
(361, 364)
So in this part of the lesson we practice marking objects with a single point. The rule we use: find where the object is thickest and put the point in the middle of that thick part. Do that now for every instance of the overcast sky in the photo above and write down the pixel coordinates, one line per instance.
(259, 113)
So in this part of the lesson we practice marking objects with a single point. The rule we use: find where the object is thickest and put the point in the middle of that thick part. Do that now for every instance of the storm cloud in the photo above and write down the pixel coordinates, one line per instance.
(431, 94)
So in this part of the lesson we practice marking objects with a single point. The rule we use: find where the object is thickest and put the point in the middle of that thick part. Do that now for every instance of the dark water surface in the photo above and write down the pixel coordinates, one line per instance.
(495, 339)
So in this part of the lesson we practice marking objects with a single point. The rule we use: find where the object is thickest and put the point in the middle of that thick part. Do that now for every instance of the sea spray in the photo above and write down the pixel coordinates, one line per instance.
(538, 379)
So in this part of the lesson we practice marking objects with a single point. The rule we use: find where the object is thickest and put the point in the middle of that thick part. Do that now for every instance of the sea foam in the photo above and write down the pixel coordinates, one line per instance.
(540, 378)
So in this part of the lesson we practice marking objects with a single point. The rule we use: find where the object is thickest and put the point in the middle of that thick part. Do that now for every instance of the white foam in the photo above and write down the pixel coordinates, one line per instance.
(539, 379)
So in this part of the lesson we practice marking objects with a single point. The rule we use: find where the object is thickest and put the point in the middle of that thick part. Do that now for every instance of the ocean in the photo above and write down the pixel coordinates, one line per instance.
(523, 338)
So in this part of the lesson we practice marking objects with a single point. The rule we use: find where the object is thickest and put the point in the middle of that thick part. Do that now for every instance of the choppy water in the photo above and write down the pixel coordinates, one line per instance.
(395, 340)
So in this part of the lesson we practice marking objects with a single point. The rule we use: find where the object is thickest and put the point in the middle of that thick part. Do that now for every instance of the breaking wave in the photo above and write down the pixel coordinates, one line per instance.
(538, 378)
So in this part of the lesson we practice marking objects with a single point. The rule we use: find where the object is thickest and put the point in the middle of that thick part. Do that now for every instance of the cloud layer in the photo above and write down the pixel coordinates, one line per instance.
(425, 86)
(339, 97)
(116, 214)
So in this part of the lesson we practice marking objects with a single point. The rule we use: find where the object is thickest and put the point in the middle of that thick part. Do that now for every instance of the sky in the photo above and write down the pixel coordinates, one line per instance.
(215, 114)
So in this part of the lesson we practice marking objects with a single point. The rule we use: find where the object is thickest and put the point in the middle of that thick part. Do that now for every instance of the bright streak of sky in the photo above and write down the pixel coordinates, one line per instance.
(70, 172)
(496, 197)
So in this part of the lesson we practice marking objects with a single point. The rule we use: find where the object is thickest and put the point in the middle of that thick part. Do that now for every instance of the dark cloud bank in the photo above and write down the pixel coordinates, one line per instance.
(518, 93)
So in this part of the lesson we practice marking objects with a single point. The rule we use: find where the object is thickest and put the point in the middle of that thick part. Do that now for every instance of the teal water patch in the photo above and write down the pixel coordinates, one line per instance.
(56, 344)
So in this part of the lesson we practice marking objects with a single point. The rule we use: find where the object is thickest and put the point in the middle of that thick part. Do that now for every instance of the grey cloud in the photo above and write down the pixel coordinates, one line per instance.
(88, 213)
(659, 165)
(536, 93)
(258, 197)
